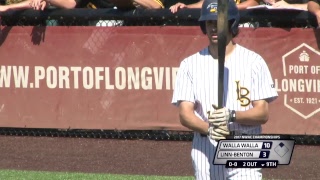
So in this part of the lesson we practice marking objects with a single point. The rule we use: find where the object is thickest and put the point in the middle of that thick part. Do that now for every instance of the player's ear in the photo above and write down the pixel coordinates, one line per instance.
(234, 27)
(203, 27)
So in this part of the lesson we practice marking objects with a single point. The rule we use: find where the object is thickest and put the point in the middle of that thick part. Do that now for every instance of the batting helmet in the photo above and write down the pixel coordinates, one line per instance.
(209, 11)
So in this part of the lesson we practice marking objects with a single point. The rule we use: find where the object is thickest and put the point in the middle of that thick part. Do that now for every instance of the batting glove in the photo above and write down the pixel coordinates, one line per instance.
(218, 133)
(219, 117)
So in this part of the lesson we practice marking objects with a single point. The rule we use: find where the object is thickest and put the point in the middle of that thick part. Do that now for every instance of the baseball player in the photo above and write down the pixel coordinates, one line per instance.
(248, 90)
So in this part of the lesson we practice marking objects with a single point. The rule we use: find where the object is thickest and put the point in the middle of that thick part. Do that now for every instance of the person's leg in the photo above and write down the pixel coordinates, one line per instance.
(244, 174)
(201, 158)
(123, 4)
(203, 151)
(16, 6)
(150, 4)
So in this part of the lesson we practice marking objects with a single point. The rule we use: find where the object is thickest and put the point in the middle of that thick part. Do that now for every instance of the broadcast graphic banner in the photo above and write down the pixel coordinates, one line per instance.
(248, 151)
(123, 77)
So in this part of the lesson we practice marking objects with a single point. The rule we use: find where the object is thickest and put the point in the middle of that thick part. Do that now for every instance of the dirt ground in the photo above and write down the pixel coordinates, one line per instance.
(142, 157)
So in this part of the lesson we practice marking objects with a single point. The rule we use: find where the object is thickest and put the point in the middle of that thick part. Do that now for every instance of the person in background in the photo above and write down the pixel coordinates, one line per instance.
(36, 4)
(242, 5)
(65, 4)
(131, 4)
(314, 8)
(285, 4)
(94, 4)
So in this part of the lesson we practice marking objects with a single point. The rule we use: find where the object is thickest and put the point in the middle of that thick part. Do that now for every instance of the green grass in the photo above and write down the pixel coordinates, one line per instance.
(41, 175)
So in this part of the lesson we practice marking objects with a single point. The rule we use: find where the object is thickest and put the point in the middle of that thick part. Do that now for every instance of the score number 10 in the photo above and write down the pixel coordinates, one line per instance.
(266, 145)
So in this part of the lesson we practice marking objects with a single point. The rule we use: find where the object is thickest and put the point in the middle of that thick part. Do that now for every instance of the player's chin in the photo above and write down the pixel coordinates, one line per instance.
(214, 41)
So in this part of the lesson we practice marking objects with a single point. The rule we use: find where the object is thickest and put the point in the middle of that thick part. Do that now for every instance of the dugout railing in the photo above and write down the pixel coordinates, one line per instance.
(111, 17)
(141, 17)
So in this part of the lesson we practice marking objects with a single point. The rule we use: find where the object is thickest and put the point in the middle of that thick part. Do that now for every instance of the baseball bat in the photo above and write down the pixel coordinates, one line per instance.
(223, 31)
(222, 43)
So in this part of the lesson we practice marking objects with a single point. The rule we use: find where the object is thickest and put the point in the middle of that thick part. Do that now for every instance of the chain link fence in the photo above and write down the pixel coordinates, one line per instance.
(142, 17)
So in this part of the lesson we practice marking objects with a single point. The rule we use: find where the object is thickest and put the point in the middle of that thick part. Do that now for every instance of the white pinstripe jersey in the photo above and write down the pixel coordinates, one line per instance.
(246, 79)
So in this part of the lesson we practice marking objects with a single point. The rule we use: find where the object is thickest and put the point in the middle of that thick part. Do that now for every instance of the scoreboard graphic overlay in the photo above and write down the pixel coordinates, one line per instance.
(254, 151)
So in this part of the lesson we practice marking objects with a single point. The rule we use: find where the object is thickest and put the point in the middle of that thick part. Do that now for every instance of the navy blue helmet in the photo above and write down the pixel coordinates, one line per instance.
(209, 11)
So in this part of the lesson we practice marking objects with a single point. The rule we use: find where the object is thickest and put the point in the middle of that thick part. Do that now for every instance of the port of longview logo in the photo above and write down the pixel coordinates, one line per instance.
(301, 82)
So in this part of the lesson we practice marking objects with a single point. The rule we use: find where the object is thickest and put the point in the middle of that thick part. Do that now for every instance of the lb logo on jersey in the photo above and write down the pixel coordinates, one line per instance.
(242, 95)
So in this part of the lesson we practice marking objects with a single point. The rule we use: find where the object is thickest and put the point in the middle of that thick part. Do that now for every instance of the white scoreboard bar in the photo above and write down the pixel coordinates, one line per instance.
(254, 152)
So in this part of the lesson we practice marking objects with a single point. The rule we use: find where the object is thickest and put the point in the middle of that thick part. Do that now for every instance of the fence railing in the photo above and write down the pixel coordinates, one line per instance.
(143, 17)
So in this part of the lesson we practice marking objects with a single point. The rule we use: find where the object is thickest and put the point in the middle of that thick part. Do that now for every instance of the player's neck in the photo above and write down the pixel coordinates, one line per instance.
(213, 49)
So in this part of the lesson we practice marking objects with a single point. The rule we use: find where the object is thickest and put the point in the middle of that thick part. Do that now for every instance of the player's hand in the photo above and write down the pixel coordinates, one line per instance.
(176, 7)
(219, 117)
(270, 2)
(4, 8)
(35, 4)
(38, 4)
(218, 133)
(281, 4)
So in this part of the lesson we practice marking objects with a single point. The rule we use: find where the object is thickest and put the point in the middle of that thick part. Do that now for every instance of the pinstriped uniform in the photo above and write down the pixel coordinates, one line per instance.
(246, 78)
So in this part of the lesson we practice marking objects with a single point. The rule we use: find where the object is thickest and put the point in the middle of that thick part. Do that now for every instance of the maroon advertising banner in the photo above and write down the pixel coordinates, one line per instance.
(123, 77)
